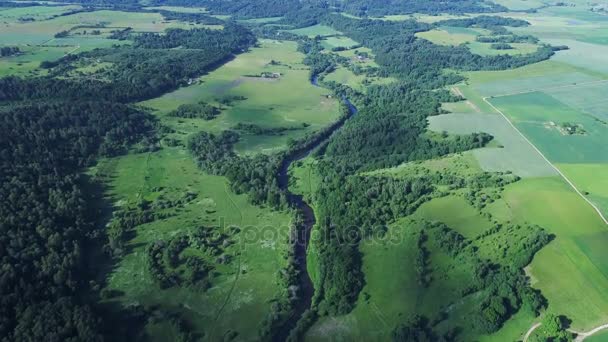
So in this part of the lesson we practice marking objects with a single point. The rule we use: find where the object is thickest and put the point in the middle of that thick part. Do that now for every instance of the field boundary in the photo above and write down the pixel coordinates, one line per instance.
(598, 211)
(564, 86)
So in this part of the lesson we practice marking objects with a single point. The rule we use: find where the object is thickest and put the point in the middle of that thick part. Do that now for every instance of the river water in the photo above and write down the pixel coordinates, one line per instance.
(304, 229)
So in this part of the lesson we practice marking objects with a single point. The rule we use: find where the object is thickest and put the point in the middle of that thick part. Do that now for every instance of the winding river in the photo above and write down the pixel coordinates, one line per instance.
(303, 230)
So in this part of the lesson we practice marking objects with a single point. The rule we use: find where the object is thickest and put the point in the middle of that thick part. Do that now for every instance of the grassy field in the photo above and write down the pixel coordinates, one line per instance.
(179, 9)
(457, 213)
(339, 41)
(289, 101)
(443, 37)
(485, 49)
(601, 336)
(239, 297)
(316, 30)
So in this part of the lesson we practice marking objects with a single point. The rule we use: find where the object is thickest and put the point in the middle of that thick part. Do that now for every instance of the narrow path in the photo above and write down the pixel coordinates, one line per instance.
(580, 336)
(240, 252)
(531, 330)
(599, 212)
(469, 103)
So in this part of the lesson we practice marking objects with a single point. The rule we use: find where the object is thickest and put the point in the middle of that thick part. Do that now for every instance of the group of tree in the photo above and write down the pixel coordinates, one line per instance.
(6, 51)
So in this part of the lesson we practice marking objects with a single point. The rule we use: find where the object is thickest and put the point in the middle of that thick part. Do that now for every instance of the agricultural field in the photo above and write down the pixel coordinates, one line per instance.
(559, 106)
(541, 118)
(256, 251)
(289, 101)
(512, 152)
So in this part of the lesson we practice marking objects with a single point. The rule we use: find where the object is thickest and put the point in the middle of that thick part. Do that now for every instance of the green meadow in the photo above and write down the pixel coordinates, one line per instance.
(443, 37)
(241, 290)
(287, 101)
(457, 213)
(338, 42)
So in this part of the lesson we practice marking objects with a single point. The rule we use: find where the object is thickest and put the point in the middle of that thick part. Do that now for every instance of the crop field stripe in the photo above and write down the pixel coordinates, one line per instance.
(599, 212)
(545, 89)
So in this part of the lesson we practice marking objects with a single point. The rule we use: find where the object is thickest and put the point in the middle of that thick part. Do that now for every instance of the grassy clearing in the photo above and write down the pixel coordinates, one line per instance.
(316, 30)
(261, 20)
(515, 155)
(239, 297)
(457, 213)
(179, 9)
(288, 101)
(571, 272)
(338, 42)
(485, 49)
(28, 63)
(533, 114)
(429, 18)
(443, 37)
